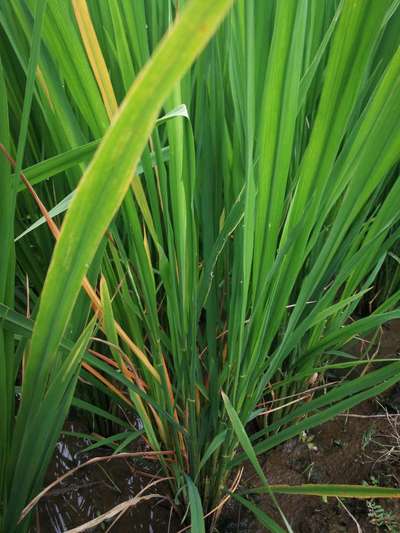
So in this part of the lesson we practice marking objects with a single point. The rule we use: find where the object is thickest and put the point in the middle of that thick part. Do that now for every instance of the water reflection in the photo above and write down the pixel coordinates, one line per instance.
(96, 489)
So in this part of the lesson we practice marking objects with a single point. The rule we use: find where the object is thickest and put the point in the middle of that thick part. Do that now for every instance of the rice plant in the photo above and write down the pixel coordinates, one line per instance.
(225, 269)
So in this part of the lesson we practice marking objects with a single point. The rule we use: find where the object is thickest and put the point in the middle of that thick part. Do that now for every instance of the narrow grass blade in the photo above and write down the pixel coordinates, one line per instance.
(196, 510)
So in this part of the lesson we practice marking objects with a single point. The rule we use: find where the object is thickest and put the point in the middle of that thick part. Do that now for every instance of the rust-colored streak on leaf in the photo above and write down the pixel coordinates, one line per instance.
(90, 291)
(108, 384)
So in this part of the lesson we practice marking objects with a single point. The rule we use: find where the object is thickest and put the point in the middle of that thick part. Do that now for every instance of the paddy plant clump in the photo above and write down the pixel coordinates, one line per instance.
(205, 220)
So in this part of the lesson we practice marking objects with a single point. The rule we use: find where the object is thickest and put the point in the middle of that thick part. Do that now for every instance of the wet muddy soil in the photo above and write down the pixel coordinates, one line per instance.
(360, 447)
(97, 488)
(356, 447)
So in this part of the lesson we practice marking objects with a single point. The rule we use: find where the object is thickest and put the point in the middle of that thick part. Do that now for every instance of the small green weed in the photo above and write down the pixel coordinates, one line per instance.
(380, 517)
